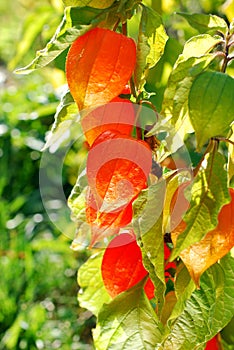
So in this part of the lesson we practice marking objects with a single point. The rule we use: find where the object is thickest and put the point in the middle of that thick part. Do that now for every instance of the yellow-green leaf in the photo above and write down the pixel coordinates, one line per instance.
(92, 294)
(205, 23)
(66, 118)
(76, 21)
(91, 3)
(128, 322)
(175, 102)
(147, 223)
(152, 39)
(207, 311)
(199, 45)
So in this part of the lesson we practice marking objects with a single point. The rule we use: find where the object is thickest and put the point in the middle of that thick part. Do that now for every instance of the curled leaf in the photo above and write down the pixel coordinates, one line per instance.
(217, 243)
(152, 39)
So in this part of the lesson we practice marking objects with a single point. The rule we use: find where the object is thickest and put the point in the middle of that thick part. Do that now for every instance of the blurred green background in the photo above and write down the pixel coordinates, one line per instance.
(38, 304)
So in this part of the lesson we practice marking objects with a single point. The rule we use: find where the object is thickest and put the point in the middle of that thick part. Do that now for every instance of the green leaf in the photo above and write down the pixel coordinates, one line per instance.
(207, 311)
(91, 3)
(184, 287)
(76, 21)
(128, 322)
(66, 116)
(205, 23)
(77, 204)
(194, 59)
(92, 294)
(199, 45)
(172, 185)
(152, 39)
(227, 333)
(77, 200)
(209, 193)
(147, 224)
(175, 102)
(211, 105)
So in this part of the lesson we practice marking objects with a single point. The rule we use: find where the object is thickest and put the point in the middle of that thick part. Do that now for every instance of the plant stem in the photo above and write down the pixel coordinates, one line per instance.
(149, 103)
(224, 139)
(224, 65)
(132, 84)
(116, 25)
(132, 87)
(125, 28)
(212, 147)
(225, 60)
